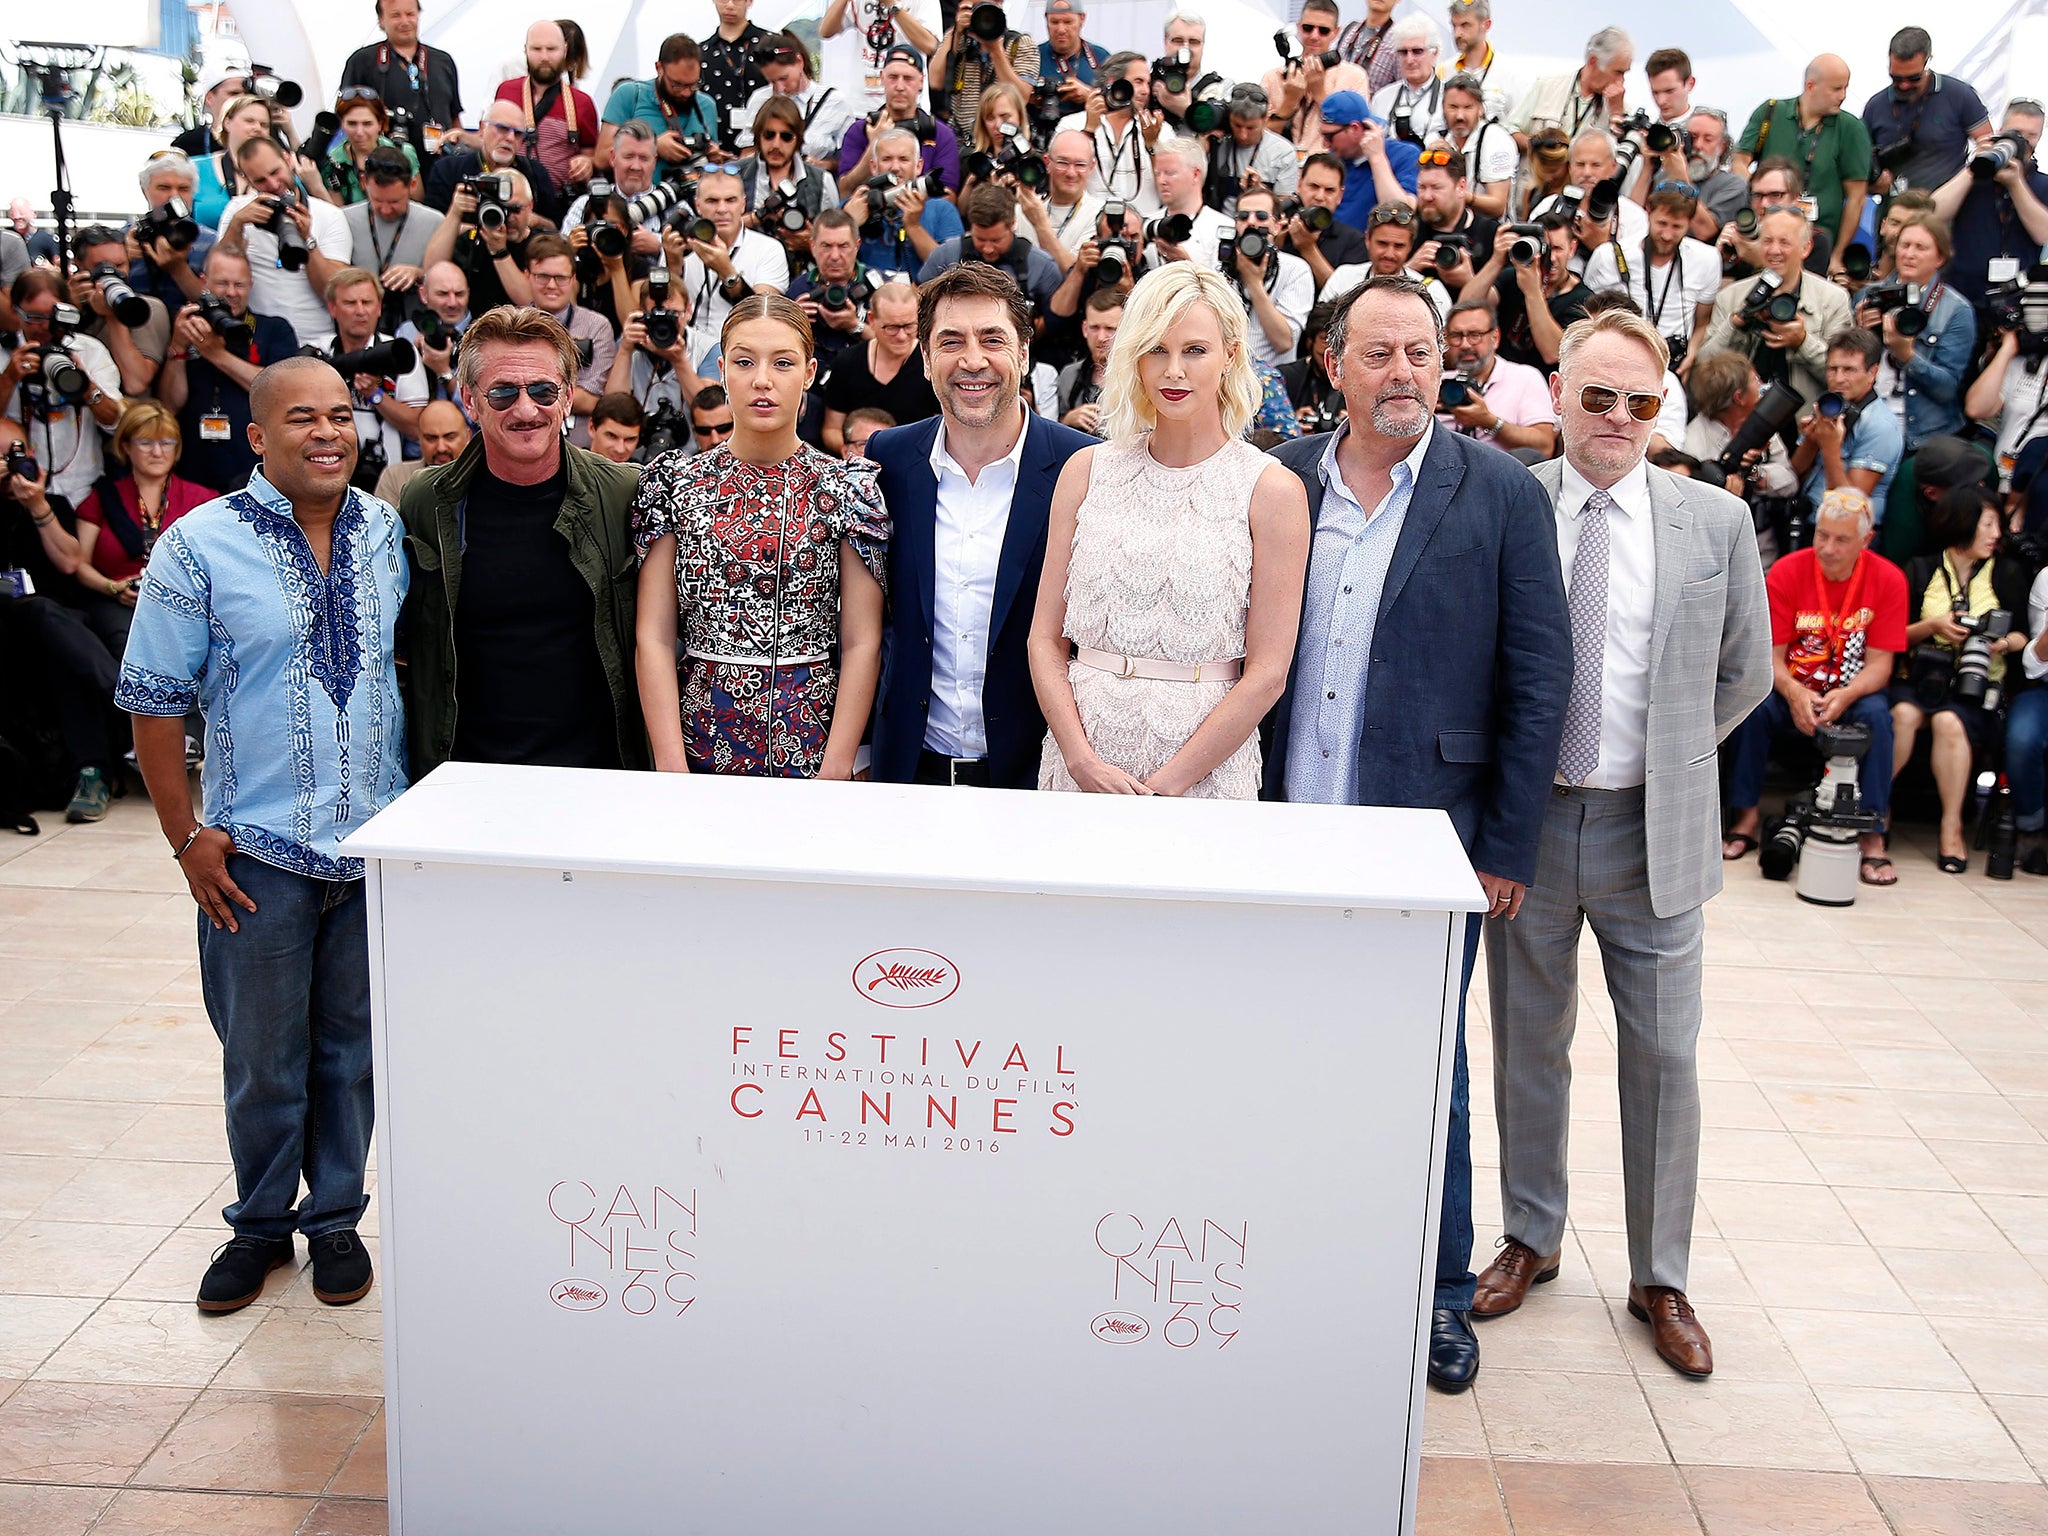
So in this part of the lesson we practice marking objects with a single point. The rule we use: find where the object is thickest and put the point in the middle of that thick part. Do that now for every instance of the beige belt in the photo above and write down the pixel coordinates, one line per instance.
(758, 661)
(1160, 671)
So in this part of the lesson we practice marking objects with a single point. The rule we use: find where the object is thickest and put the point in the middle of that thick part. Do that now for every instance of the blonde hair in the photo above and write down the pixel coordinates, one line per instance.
(1617, 322)
(138, 417)
(1000, 90)
(1156, 305)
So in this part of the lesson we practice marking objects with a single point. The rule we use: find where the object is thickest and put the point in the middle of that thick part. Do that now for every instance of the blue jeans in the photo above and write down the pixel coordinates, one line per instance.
(2026, 740)
(1773, 718)
(1454, 1278)
(289, 996)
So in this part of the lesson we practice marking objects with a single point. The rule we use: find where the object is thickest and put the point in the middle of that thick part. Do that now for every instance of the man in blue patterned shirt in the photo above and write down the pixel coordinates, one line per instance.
(273, 609)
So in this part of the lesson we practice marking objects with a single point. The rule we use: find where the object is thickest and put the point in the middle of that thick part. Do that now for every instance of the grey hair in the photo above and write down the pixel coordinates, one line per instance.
(1397, 284)
(633, 128)
(1419, 27)
(173, 160)
(1185, 18)
(1847, 501)
(1608, 44)
(1460, 9)
(1911, 43)
(1603, 136)
(899, 133)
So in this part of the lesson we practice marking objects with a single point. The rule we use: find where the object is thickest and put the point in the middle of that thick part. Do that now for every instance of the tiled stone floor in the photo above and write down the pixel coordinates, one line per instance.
(1871, 1257)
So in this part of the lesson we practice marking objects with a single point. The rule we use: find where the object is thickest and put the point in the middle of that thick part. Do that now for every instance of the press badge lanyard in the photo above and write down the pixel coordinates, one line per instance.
(1128, 140)
(1656, 313)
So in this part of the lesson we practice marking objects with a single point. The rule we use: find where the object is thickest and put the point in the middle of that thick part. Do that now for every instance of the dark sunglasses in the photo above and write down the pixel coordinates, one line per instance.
(711, 428)
(777, 133)
(358, 93)
(1599, 399)
(542, 392)
(1907, 82)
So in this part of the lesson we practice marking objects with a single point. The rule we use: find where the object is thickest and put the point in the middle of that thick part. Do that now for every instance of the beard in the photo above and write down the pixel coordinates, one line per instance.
(994, 404)
(544, 75)
(1388, 423)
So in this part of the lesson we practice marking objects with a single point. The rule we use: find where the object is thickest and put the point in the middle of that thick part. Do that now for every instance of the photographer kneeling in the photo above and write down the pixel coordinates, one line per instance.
(1967, 604)
(1838, 617)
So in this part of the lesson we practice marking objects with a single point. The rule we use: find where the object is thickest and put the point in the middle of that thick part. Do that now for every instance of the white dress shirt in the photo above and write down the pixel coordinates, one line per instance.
(290, 295)
(758, 258)
(967, 546)
(1631, 606)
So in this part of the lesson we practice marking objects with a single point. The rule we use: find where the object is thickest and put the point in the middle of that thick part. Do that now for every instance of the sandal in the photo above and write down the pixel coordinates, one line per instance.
(1749, 846)
(1949, 864)
(1875, 864)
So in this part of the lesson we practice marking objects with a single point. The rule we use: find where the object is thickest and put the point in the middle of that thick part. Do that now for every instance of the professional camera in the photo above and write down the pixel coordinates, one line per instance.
(1173, 228)
(1456, 389)
(1818, 831)
(1998, 832)
(493, 194)
(371, 460)
(1170, 74)
(988, 23)
(2018, 302)
(780, 212)
(261, 82)
(609, 241)
(1776, 407)
(1450, 250)
(221, 320)
(1657, 137)
(173, 224)
(62, 377)
(1330, 412)
(23, 463)
(1938, 673)
(434, 332)
(1288, 46)
(1895, 157)
(1856, 263)
(1119, 95)
(1901, 300)
(130, 309)
(1118, 256)
(1311, 215)
(292, 253)
(1765, 304)
(695, 147)
(1529, 243)
(1015, 158)
(382, 359)
(657, 202)
(662, 324)
(662, 431)
(845, 295)
(1835, 406)
(1254, 246)
(598, 191)
(1210, 109)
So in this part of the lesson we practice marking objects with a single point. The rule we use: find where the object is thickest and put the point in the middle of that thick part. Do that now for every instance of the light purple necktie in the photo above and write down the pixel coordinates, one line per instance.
(1579, 753)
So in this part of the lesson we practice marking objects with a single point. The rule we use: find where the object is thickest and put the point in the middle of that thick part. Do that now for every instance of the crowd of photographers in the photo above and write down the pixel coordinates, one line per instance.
(1855, 312)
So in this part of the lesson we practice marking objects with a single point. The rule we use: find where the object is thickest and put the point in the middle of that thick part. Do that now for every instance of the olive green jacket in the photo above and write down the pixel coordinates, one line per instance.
(596, 520)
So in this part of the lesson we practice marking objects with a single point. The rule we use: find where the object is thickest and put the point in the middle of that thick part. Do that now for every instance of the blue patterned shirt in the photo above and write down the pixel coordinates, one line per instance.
(294, 671)
(1347, 572)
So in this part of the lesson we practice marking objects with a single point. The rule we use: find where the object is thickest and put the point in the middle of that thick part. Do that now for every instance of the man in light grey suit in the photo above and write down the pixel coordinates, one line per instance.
(1671, 651)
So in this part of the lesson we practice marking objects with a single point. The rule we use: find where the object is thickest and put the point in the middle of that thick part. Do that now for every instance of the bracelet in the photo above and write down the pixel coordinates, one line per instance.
(190, 838)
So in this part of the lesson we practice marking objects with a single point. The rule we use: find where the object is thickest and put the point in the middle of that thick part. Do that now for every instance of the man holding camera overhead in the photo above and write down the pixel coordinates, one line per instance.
(485, 232)
(134, 328)
(295, 244)
(1997, 205)
(1783, 317)
(1832, 146)
(61, 386)
(217, 348)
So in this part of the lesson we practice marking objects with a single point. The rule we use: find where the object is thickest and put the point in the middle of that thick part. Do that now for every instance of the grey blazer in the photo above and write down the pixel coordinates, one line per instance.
(1710, 665)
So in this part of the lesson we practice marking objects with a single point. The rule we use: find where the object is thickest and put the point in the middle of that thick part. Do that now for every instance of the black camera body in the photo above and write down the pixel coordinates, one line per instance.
(779, 212)
(129, 307)
(845, 295)
(292, 253)
(223, 322)
(1900, 299)
(1456, 389)
(1171, 74)
(371, 460)
(987, 23)
(493, 193)
(21, 462)
(1173, 228)
(1835, 406)
(1529, 243)
(1766, 304)
(433, 332)
(662, 431)
(1895, 156)
(172, 223)
(663, 326)
(1939, 673)
(1014, 157)
(1450, 250)
(1288, 45)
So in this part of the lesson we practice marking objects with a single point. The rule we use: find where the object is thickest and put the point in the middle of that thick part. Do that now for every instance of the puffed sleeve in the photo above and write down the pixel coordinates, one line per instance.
(864, 518)
(657, 502)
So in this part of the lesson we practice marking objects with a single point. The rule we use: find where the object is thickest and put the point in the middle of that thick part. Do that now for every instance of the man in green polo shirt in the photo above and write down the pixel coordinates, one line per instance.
(1831, 147)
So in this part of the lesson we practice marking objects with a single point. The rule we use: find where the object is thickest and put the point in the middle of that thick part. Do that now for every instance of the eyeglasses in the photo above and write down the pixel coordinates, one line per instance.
(1460, 338)
(1907, 82)
(711, 428)
(164, 444)
(1071, 165)
(1411, 53)
(1311, 29)
(1247, 216)
(1599, 399)
(549, 277)
(542, 392)
(503, 127)
(782, 135)
(900, 328)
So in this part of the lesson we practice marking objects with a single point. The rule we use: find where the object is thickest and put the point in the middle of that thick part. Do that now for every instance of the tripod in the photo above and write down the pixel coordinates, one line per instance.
(53, 74)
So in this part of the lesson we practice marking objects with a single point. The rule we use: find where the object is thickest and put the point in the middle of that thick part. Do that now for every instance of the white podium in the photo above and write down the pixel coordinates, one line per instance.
(781, 1157)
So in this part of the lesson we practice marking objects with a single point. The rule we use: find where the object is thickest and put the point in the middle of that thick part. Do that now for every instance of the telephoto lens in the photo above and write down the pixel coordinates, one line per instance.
(221, 320)
(1173, 228)
(608, 240)
(130, 309)
(1117, 95)
(988, 22)
(1745, 223)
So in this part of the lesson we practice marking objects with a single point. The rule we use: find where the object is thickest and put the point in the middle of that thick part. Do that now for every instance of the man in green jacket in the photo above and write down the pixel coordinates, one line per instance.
(518, 628)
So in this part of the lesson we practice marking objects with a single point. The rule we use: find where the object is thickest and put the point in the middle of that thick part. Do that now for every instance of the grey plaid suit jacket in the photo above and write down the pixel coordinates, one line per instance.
(1710, 665)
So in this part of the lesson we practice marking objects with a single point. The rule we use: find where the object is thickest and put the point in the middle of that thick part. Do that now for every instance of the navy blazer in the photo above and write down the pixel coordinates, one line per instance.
(1016, 728)
(1471, 653)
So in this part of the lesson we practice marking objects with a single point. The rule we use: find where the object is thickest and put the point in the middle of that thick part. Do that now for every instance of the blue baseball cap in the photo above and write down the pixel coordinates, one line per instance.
(1344, 107)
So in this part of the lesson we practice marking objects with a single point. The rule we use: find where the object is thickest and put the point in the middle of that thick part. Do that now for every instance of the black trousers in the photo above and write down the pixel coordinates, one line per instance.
(57, 647)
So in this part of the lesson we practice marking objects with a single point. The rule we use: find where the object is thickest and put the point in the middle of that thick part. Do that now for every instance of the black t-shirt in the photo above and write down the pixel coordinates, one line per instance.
(486, 288)
(1476, 227)
(1516, 343)
(730, 75)
(532, 687)
(21, 546)
(908, 396)
(1342, 245)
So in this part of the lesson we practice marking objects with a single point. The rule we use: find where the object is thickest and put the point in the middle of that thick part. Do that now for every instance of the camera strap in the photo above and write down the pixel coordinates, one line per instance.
(536, 111)
(1402, 99)
(1127, 140)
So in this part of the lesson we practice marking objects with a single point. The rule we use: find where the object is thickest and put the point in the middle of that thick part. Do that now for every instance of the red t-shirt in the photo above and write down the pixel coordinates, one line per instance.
(1826, 626)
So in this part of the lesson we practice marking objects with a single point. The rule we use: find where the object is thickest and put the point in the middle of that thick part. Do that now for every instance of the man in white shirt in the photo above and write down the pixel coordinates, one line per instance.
(1413, 104)
(1671, 276)
(855, 35)
(1471, 29)
(1278, 289)
(288, 277)
(1061, 219)
(551, 269)
(719, 272)
(65, 436)
(1593, 162)
(633, 165)
(1180, 165)
(1671, 639)
(828, 111)
(969, 495)
(1491, 157)
(1248, 153)
(387, 405)
(1122, 137)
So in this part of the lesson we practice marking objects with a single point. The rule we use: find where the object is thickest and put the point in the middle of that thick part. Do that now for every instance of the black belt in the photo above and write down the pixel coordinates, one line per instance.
(937, 768)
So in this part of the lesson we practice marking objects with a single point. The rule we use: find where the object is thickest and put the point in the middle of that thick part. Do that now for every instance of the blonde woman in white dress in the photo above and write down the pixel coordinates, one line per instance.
(1174, 563)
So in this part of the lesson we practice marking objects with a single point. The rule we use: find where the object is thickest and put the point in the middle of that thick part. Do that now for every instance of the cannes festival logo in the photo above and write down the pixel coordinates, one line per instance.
(578, 1295)
(906, 978)
(1120, 1327)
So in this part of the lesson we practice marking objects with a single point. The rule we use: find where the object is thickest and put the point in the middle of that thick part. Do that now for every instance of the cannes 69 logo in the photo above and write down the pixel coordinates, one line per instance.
(906, 978)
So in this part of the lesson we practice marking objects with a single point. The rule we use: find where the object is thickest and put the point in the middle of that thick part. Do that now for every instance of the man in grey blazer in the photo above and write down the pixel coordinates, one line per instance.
(1671, 647)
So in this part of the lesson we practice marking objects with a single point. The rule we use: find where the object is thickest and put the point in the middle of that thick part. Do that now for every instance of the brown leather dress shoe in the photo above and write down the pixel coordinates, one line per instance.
(1681, 1341)
(1504, 1284)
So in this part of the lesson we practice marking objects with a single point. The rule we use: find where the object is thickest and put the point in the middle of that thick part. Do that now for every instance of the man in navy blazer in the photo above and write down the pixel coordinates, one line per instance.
(969, 492)
(1434, 663)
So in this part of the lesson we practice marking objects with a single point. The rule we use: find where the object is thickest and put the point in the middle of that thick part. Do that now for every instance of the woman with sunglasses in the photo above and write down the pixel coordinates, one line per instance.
(365, 125)
(219, 182)
(766, 558)
(778, 129)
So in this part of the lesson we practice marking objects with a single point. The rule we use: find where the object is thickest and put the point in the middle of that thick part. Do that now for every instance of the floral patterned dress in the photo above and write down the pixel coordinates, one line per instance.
(757, 584)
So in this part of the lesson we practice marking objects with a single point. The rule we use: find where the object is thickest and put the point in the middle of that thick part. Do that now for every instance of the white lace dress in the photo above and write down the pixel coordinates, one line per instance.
(1161, 569)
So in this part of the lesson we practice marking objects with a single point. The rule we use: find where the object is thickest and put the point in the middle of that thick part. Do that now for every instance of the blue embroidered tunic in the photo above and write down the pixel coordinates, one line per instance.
(293, 671)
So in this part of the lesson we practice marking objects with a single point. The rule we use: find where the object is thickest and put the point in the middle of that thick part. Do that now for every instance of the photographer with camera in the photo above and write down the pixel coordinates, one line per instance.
(1245, 154)
(903, 90)
(2014, 399)
(501, 146)
(901, 222)
(295, 245)
(681, 121)
(1923, 124)
(412, 76)
(386, 396)
(991, 214)
(435, 325)
(1311, 228)
(1831, 145)
(167, 246)
(217, 348)
(1724, 392)
(885, 372)
(551, 271)
(1838, 622)
(558, 121)
(1413, 103)
(1123, 125)
(1109, 261)
(1678, 277)
(1485, 396)
(1591, 195)
(784, 192)
(218, 178)
(656, 363)
(1451, 236)
(1184, 36)
(134, 328)
(1590, 98)
(389, 232)
(1997, 204)
(1536, 293)
(1849, 441)
(1067, 62)
(1773, 185)
(634, 162)
(365, 128)
(1079, 390)
(1277, 289)
(485, 232)
(979, 49)
(60, 385)
(1966, 608)
(856, 38)
(1781, 319)
(1187, 229)
(1929, 332)
(1310, 73)
(824, 113)
(722, 260)
(833, 292)
(1318, 402)
(1491, 158)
